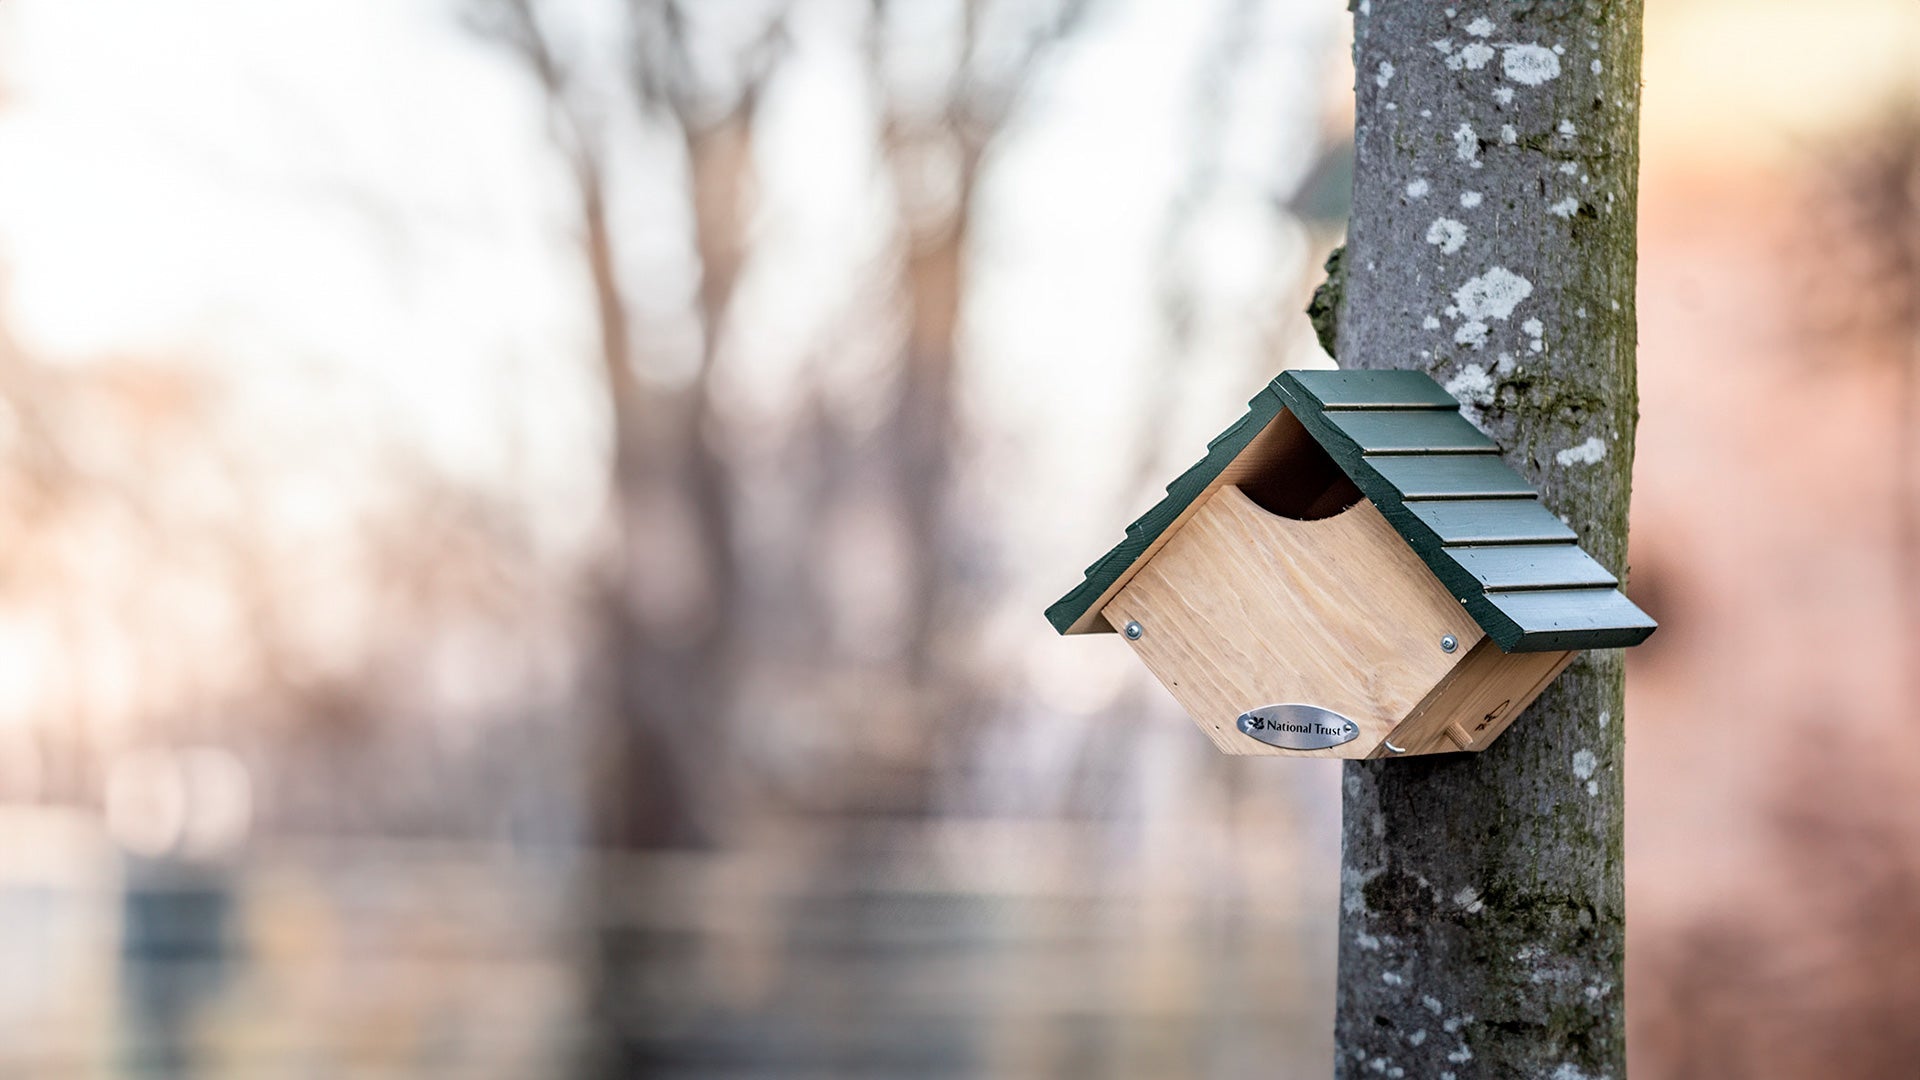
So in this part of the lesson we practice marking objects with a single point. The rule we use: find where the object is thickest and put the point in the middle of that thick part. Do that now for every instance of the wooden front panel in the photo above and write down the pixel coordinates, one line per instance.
(1242, 609)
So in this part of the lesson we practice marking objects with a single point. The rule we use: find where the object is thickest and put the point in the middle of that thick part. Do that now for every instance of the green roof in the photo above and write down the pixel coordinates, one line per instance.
(1439, 481)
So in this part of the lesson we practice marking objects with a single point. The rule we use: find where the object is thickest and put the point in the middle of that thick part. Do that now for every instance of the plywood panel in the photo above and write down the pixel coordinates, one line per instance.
(1478, 700)
(1280, 437)
(1242, 609)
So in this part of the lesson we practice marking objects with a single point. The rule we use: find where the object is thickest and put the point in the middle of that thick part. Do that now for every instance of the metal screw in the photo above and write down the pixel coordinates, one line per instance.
(1133, 630)
(1449, 643)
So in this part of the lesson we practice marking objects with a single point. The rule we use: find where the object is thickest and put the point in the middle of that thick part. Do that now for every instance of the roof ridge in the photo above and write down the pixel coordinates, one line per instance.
(1533, 588)
(1439, 481)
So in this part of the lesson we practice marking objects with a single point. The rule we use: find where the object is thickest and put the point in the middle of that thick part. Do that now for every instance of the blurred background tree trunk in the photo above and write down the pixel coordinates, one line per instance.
(676, 614)
(1492, 244)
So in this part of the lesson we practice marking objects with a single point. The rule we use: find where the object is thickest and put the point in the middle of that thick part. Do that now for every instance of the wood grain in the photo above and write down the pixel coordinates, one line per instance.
(1282, 437)
(1241, 609)
(1477, 700)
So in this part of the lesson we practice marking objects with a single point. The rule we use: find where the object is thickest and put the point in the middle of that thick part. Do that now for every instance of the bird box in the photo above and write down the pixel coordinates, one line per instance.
(1352, 571)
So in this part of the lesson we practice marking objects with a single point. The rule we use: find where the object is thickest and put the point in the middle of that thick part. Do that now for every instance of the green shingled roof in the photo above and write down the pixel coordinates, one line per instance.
(1439, 481)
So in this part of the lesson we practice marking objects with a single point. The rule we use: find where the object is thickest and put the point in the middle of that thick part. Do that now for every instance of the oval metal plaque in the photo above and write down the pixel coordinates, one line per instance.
(1297, 727)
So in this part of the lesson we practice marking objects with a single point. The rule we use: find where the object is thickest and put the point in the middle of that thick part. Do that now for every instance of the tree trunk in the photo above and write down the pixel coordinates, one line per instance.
(1482, 927)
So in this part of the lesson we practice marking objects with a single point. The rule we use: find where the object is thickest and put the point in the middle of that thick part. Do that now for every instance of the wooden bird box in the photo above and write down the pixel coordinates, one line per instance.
(1352, 572)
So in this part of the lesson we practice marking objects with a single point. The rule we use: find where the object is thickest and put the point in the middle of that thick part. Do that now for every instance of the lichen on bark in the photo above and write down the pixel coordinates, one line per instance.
(1483, 921)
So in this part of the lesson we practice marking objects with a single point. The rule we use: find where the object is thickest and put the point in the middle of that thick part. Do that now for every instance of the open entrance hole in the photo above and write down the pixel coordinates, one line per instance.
(1300, 480)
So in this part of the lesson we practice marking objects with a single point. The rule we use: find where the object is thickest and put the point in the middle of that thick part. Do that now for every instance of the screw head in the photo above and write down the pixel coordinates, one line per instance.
(1133, 630)
(1449, 643)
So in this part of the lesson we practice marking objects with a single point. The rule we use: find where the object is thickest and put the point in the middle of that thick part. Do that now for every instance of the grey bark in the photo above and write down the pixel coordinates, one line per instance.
(1482, 927)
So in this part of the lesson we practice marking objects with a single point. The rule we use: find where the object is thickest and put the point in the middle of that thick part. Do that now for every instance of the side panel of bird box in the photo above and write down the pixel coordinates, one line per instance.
(1243, 609)
(1477, 701)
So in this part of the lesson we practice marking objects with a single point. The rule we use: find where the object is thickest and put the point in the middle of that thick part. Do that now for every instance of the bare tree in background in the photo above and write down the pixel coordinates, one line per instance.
(1492, 243)
(664, 627)
(678, 619)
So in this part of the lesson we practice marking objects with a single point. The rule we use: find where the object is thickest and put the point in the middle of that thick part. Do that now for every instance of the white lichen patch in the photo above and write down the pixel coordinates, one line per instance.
(1593, 787)
(1367, 942)
(1570, 1071)
(1472, 56)
(1536, 335)
(1432, 1004)
(1565, 208)
(1481, 27)
(1595, 67)
(1503, 95)
(1469, 199)
(1446, 234)
(1468, 900)
(1393, 978)
(1418, 187)
(1444, 46)
(1472, 387)
(1566, 128)
(1417, 1037)
(1584, 763)
(1383, 74)
(1461, 1056)
(1529, 65)
(1606, 718)
(1569, 167)
(1466, 145)
(1504, 365)
(1508, 135)
(1472, 334)
(1429, 323)
(1590, 452)
(1492, 295)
